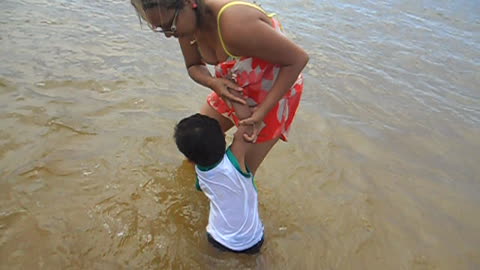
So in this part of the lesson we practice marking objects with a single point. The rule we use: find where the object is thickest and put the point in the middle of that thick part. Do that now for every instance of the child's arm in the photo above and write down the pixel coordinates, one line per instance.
(240, 146)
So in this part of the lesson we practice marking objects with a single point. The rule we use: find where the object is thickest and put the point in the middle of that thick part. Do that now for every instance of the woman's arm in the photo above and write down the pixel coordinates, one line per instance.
(247, 31)
(198, 71)
(193, 61)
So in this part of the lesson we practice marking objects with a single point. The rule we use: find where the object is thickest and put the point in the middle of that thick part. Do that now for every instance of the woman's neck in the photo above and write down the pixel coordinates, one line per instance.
(208, 22)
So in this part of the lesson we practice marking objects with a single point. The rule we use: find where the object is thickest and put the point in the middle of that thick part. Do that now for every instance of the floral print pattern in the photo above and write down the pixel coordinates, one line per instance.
(257, 77)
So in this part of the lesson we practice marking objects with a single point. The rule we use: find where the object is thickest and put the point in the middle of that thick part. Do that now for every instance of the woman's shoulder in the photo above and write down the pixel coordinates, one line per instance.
(237, 17)
(233, 11)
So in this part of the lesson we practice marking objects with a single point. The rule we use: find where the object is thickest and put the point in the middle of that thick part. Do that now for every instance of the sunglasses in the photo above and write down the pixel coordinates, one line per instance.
(173, 27)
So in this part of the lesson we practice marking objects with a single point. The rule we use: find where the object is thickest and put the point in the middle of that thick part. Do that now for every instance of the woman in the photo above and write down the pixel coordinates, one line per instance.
(250, 54)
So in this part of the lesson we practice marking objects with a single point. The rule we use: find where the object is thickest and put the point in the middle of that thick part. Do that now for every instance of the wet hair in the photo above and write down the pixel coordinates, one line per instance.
(142, 5)
(201, 139)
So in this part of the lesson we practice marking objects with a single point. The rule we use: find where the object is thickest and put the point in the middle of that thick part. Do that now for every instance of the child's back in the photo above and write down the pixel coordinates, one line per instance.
(234, 223)
(234, 220)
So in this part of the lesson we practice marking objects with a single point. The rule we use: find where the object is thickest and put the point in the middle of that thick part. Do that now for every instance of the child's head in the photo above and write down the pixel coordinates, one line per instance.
(201, 139)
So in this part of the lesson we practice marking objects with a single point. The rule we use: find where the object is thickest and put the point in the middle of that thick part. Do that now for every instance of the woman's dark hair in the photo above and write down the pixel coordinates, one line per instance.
(142, 5)
(147, 4)
(200, 138)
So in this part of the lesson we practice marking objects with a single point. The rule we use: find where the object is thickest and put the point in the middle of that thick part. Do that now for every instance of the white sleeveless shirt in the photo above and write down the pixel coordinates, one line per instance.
(234, 220)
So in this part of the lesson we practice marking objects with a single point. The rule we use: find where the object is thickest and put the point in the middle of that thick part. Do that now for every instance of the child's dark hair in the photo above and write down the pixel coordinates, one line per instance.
(200, 138)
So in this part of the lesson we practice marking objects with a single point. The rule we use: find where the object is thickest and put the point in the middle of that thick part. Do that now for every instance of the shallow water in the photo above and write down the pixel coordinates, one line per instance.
(380, 172)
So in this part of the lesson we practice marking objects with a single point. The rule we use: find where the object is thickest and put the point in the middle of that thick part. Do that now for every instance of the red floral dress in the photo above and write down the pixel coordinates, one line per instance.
(256, 77)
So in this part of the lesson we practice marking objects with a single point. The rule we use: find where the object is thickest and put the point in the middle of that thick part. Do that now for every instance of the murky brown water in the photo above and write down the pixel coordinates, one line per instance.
(381, 171)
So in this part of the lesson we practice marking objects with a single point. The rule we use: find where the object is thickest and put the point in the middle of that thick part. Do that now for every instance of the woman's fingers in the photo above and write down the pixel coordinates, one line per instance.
(253, 137)
(247, 121)
(223, 91)
(249, 138)
(250, 122)
(255, 133)
(233, 85)
(234, 98)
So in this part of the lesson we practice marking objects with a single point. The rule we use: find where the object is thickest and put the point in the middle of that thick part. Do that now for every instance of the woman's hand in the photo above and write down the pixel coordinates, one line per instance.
(255, 120)
(221, 86)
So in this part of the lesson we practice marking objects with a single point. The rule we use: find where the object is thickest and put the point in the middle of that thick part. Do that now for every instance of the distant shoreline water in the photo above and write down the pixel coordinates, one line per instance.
(380, 171)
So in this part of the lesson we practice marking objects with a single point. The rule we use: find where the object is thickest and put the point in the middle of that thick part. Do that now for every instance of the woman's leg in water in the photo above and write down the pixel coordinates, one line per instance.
(257, 154)
(225, 123)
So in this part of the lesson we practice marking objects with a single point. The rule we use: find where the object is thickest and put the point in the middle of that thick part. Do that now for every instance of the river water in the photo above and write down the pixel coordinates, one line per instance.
(381, 170)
